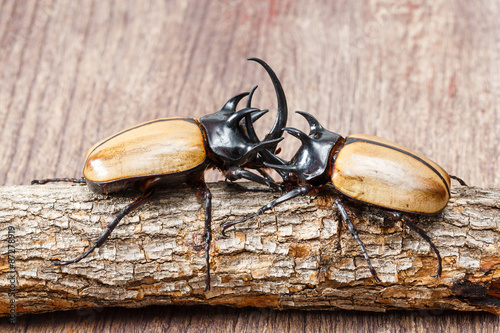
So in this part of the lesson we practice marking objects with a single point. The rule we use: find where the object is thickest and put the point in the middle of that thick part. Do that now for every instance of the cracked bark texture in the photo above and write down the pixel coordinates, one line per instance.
(297, 256)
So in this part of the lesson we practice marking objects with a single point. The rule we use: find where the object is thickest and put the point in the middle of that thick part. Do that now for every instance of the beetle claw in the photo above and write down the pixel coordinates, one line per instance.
(224, 226)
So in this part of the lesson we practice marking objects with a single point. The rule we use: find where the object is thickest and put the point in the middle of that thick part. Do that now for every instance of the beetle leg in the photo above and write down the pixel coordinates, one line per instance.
(352, 229)
(255, 189)
(458, 180)
(50, 180)
(301, 190)
(109, 229)
(203, 191)
(265, 174)
(234, 173)
(246, 188)
(424, 235)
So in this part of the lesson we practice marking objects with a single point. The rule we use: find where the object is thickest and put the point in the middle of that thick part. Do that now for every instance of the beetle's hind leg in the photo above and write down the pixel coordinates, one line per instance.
(110, 227)
(424, 235)
(53, 180)
(203, 191)
(354, 233)
(458, 180)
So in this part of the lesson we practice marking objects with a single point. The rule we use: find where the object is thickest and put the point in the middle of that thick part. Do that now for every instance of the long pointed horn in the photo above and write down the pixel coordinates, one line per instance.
(282, 117)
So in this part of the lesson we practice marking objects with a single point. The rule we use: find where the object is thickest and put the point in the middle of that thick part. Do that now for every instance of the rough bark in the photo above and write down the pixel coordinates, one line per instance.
(297, 256)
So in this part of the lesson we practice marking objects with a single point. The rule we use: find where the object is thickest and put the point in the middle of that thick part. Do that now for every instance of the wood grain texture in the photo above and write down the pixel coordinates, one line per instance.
(298, 257)
(424, 74)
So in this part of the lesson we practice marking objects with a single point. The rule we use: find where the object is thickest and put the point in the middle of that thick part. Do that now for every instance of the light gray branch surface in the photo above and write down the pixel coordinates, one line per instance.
(296, 256)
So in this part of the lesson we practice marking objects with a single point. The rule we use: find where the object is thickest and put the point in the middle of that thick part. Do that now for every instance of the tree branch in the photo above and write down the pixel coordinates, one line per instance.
(297, 256)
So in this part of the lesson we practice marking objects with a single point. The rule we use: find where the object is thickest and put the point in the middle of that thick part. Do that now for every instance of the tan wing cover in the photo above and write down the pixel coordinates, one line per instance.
(156, 147)
(384, 173)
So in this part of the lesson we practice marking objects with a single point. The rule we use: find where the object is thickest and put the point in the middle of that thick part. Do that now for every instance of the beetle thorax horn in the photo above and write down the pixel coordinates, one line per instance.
(227, 139)
(312, 160)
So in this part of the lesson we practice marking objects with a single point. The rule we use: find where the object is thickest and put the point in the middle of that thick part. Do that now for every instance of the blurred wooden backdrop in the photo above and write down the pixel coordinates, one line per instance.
(423, 73)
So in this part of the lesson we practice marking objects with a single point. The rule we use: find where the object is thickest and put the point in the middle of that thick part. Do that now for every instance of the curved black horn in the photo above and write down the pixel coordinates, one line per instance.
(250, 119)
(282, 116)
(235, 118)
(233, 102)
(313, 122)
(250, 96)
(303, 137)
(249, 104)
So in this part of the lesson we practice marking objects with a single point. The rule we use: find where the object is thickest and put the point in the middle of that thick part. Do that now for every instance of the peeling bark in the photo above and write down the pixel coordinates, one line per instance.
(297, 256)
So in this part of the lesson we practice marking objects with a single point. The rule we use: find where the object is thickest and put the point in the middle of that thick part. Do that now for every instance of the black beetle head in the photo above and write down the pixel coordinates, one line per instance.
(228, 140)
(313, 157)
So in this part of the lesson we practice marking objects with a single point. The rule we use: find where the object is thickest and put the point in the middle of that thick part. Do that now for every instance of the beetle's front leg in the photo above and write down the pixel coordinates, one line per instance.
(203, 192)
(234, 173)
(301, 190)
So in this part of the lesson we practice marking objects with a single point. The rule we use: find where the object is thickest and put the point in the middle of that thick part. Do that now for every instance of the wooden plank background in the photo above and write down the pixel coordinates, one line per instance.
(423, 73)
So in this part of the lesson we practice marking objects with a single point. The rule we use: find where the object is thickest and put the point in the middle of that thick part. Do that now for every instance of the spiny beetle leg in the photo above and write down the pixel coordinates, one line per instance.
(246, 188)
(254, 189)
(51, 180)
(424, 235)
(352, 229)
(110, 227)
(265, 174)
(234, 173)
(458, 180)
(301, 190)
(203, 191)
